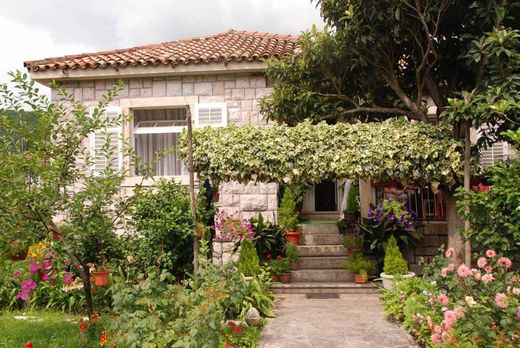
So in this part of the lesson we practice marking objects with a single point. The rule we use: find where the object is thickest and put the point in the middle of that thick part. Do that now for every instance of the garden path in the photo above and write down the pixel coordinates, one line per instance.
(352, 320)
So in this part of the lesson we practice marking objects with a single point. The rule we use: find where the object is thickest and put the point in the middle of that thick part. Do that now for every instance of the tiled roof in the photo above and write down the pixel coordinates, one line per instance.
(231, 46)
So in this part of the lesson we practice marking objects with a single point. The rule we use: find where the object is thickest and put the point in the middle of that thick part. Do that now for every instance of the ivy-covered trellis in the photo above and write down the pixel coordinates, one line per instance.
(395, 149)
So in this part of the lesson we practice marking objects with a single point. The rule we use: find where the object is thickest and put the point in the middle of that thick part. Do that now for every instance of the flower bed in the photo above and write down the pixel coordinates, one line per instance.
(458, 305)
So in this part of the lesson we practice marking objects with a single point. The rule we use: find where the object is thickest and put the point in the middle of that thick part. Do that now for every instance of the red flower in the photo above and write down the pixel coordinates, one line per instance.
(279, 257)
(237, 330)
(82, 327)
(29, 345)
(231, 323)
(103, 338)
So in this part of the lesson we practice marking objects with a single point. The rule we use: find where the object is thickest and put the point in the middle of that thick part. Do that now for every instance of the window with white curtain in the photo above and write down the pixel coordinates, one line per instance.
(106, 145)
(158, 130)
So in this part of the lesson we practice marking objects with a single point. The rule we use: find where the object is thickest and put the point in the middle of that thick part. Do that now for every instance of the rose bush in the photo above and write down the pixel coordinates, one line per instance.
(455, 305)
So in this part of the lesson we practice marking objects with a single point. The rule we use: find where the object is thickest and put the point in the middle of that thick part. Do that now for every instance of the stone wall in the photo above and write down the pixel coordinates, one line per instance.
(435, 234)
(240, 92)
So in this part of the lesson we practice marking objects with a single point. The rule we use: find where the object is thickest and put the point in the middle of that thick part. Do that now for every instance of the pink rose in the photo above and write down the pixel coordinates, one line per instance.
(482, 262)
(487, 278)
(444, 272)
(516, 291)
(450, 267)
(450, 252)
(463, 271)
(504, 261)
(500, 300)
(489, 269)
(450, 317)
(475, 273)
(443, 299)
(436, 339)
(491, 253)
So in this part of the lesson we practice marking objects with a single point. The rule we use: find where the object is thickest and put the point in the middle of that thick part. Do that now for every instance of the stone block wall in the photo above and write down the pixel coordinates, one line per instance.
(249, 200)
(240, 91)
(435, 234)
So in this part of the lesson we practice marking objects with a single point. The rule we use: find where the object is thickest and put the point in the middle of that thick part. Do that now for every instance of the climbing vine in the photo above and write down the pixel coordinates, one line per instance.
(393, 149)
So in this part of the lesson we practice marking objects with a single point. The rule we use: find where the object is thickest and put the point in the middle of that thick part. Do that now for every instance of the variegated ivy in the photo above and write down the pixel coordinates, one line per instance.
(394, 149)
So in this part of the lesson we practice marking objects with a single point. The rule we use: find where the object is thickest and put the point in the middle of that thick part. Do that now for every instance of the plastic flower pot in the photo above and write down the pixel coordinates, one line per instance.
(285, 278)
(358, 279)
(293, 237)
(388, 280)
(101, 277)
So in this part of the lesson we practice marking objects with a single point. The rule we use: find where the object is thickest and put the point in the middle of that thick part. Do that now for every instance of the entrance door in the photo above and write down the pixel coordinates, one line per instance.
(325, 196)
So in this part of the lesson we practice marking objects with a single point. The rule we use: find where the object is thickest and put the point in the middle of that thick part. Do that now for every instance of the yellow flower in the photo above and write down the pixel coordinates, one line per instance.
(37, 251)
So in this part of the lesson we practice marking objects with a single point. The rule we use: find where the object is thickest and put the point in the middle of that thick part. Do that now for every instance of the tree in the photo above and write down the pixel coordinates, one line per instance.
(381, 59)
(47, 188)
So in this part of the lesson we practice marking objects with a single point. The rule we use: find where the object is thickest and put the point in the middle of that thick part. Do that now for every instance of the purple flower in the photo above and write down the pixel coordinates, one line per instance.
(390, 217)
(377, 219)
(370, 216)
(67, 277)
(45, 276)
(28, 285)
(23, 295)
(34, 268)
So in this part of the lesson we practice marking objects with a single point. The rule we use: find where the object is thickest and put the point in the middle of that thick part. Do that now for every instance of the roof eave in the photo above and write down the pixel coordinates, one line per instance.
(46, 76)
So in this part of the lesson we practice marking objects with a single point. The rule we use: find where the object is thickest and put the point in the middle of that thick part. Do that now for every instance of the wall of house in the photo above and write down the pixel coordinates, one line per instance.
(240, 92)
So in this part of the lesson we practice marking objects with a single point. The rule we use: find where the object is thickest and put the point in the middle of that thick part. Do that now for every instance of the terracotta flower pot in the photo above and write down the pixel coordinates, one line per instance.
(293, 237)
(285, 278)
(215, 196)
(275, 277)
(101, 277)
(359, 279)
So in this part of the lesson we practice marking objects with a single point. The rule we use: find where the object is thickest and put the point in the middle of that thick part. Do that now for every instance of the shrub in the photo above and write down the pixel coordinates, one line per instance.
(395, 264)
(163, 223)
(269, 238)
(287, 214)
(291, 253)
(356, 263)
(279, 266)
(248, 261)
(458, 305)
(353, 207)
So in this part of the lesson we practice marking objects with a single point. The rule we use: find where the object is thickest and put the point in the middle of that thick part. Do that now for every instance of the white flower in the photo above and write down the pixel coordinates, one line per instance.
(470, 301)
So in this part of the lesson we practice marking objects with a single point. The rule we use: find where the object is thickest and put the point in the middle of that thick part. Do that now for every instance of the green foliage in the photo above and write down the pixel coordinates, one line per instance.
(395, 149)
(269, 238)
(259, 295)
(291, 253)
(395, 264)
(155, 312)
(162, 220)
(279, 265)
(248, 261)
(353, 207)
(287, 213)
(458, 306)
(494, 215)
(357, 263)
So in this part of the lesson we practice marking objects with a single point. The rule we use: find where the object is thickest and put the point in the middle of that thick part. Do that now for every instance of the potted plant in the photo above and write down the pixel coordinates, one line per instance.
(288, 217)
(352, 242)
(248, 261)
(360, 267)
(395, 266)
(280, 267)
(100, 276)
(292, 255)
(215, 195)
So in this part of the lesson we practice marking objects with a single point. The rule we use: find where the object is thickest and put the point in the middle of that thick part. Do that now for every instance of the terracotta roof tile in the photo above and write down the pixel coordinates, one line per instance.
(231, 46)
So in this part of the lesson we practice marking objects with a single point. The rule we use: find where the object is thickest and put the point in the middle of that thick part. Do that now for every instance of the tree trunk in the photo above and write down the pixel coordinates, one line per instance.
(455, 224)
(196, 244)
(84, 273)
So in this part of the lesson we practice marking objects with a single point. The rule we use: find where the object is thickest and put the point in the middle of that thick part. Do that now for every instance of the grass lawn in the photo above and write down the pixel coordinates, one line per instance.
(45, 329)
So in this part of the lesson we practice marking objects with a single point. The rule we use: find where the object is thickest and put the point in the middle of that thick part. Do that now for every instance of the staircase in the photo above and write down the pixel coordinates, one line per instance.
(320, 265)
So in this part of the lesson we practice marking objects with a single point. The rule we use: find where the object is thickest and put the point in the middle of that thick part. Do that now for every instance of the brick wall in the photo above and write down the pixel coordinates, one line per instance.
(435, 234)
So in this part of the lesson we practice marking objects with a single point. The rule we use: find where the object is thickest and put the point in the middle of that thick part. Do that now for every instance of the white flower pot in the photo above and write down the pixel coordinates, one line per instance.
(388, 280)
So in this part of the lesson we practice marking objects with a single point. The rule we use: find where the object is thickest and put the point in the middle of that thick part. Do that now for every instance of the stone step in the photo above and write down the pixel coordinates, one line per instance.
(325, 288)
(321, 238)
(321, 250)
(321, 275)
(318, 229)
(322, 262)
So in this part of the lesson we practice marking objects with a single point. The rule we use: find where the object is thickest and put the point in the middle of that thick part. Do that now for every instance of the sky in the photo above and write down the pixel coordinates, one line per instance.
(35, 29)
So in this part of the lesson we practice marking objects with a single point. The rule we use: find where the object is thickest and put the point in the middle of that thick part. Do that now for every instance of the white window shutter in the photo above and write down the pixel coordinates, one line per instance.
(211, 114)
(98, 144)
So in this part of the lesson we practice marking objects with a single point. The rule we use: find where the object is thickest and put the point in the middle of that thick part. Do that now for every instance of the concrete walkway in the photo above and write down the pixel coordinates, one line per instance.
(353, 321)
